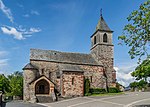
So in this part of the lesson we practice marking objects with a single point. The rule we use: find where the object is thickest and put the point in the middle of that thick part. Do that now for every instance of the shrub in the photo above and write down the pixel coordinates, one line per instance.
(86, 86)
(113, 90)
(97, 90)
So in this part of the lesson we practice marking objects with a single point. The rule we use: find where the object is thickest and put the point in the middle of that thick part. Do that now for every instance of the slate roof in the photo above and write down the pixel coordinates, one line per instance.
(69, 67)
(62, 57)
(29, 66)
(102, 25)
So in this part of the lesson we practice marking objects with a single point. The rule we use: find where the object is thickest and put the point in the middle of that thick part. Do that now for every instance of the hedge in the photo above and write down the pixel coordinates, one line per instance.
(113, 90)
(97, 90)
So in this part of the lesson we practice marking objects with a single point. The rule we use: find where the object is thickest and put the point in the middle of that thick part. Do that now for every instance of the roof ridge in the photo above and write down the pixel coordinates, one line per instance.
(60, 51)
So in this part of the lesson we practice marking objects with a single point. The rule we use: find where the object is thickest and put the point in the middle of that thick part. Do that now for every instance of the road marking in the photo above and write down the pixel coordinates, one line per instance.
(136, 102)
(112, 103)
(80, 103)
(66, 100)
(101, 100)
(43, 104)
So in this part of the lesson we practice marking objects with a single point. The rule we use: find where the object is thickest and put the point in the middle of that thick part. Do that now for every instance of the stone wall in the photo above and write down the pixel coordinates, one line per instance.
(64, 84)
(48, 69)
(73, 84)
(29, 76)
(95, 75)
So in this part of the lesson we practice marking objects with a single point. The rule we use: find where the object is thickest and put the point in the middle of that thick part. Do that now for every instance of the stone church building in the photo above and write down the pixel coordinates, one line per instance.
(65, 72)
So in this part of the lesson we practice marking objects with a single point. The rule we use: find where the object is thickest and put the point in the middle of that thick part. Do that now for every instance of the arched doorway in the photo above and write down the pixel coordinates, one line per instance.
(42, 87)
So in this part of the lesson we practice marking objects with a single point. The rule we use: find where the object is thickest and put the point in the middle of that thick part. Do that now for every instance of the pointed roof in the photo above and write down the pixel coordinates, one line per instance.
(102, 25)
(29, 66)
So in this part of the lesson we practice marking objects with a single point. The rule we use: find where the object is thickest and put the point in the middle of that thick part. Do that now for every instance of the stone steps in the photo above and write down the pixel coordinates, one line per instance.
(44, 99)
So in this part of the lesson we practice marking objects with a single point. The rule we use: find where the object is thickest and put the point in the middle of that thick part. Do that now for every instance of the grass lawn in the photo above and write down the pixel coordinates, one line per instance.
(108, 94)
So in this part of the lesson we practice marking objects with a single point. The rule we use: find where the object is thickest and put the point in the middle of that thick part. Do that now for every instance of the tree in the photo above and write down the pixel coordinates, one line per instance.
(143, 70)
(16, 83)
(142, 84)
(134, 85)
(136, 34)
(4, 84)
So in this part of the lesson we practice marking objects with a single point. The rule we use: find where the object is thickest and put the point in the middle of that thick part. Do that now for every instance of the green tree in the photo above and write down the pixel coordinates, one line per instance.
(134, 85)
(16, 83)
(143, 70)
(142, 84)
(136, 34)
(4, 84)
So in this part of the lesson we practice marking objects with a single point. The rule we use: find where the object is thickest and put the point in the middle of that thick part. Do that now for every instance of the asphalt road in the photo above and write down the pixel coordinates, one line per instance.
(21, 104)
(138, 99)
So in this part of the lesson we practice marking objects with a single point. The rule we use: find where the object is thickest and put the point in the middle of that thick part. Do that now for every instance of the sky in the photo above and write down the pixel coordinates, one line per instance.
(63, 25)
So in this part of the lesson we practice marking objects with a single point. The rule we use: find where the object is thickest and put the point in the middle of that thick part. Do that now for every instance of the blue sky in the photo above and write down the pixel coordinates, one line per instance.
(64, 25)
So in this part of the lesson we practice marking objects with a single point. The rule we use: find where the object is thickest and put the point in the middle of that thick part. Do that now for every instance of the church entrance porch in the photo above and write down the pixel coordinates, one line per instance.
(42, 87)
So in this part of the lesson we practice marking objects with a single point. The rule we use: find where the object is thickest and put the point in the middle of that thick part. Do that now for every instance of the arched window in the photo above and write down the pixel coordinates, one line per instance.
(105, 38)
(94, 40)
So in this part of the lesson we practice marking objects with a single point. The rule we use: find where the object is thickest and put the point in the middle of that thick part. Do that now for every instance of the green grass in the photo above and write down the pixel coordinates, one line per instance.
(108, 94)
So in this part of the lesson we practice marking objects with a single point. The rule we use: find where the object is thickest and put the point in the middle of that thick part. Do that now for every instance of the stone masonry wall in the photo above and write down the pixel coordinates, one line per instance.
(95, 75)
(73, 84)
(29, 76)
(104, 54)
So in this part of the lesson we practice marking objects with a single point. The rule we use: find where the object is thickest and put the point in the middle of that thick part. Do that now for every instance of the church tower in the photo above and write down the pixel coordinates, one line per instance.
(102, 49)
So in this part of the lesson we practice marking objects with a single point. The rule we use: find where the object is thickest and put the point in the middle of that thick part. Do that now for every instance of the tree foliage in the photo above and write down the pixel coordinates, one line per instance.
(143, 70)
(4, 84)
(136, 34)
(12, 84)
(16, 83)
(141, 84)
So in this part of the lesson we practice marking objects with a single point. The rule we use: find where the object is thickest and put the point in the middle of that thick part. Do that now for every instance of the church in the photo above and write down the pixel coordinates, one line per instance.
(50, 70)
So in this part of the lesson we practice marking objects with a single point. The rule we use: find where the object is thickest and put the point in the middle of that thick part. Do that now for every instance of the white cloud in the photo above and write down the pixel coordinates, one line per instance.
(124, 74)
(26, 15)
(3, 53)
(6, 11)
(12, 31)
(19, 33)
(3, 62)
(33, 12)
(34, 30)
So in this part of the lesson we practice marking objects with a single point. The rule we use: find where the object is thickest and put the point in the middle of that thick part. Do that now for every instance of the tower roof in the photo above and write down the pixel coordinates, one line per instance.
(102, 25)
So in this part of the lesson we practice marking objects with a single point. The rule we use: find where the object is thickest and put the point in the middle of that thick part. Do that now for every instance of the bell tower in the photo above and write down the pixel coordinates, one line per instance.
(102, 48)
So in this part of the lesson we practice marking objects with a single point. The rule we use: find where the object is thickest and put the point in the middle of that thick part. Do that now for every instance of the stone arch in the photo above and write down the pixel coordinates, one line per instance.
(105, 38)
(42, 87)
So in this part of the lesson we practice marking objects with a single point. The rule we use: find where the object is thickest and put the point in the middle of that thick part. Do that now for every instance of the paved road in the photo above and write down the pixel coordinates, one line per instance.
(127, 100)
(22, 104)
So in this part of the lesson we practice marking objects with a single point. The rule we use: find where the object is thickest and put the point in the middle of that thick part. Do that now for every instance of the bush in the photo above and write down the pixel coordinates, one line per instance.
(113, 90)
(86, 86)
(97, 90)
